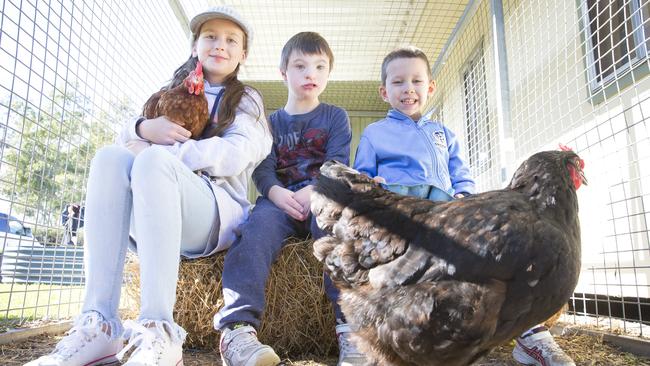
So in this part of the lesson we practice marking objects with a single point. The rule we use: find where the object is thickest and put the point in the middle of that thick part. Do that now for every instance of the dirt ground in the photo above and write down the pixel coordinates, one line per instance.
(584, 349)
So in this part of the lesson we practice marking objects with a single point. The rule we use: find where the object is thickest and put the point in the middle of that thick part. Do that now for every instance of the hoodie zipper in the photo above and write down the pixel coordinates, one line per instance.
(432, 153)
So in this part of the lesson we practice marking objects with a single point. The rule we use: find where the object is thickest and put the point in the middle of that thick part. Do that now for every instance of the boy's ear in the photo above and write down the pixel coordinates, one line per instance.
(432, 87)
(194, 53)
(284, 75)
(382, 92)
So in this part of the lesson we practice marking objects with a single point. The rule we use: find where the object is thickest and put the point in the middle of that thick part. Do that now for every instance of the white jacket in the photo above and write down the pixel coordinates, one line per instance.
(229, 160)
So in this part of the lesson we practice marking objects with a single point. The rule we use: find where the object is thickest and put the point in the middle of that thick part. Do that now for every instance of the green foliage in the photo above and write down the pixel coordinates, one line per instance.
(47, 150)
(47, 235)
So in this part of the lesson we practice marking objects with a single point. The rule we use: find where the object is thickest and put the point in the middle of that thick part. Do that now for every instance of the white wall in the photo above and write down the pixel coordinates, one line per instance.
(551, 104)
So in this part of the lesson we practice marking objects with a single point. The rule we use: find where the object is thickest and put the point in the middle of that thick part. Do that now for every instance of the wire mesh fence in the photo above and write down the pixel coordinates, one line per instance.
(69, 72)
(576, 72)
(583, 80)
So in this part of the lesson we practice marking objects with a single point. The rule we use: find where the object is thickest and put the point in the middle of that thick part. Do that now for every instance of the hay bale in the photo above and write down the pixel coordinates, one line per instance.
(298, 317)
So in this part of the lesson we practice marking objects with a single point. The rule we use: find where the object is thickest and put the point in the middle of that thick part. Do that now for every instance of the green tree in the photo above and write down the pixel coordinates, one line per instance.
(47, 150)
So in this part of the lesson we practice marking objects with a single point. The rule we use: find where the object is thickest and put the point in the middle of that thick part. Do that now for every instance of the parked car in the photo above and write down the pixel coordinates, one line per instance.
(25, 259)
(14, 233)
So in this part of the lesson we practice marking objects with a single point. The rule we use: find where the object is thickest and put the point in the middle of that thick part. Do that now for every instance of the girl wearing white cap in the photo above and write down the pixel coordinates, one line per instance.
(143, 192)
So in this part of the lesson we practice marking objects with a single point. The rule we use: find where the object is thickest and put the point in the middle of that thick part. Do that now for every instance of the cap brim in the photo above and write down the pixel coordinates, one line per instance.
(198, 20)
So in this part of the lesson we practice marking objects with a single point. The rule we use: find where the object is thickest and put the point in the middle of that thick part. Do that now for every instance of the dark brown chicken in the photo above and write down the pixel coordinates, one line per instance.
(433, 283)
(184, 104)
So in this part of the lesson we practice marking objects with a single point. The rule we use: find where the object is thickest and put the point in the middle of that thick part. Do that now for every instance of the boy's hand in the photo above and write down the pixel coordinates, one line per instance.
(284, 199)
(459, 195)
(379, 179)
(303, 196)
(162, 131)
(136, 146)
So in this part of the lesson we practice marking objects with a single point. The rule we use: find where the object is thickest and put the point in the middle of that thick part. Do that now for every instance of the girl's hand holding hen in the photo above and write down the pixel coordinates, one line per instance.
(162, 131)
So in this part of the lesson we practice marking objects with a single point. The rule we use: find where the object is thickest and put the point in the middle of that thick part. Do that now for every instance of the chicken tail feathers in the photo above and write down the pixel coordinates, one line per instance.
(324, 246)
(336, 189)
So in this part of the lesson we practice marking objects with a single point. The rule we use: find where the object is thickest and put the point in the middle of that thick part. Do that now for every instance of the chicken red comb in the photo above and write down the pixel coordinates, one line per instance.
(566, 148)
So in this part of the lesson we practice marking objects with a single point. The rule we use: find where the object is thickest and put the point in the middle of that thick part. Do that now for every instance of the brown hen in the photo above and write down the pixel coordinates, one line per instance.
(184, 104)
(442, 283)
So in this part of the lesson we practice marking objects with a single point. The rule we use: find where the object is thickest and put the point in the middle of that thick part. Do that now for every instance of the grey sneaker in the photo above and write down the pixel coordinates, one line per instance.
(540, 349)
(240, 347)
(349, 355)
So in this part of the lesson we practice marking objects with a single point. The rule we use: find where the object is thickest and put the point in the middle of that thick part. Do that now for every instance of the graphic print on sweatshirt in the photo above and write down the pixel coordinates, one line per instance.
(300, 157)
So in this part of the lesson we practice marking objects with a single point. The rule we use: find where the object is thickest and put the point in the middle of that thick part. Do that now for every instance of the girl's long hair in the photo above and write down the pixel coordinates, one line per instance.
(235, 90)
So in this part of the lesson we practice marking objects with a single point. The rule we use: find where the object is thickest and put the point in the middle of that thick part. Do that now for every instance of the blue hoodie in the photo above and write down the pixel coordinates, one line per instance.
(409, 153)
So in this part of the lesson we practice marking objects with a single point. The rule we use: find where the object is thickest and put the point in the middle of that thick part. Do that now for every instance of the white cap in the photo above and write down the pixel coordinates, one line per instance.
(221, 12)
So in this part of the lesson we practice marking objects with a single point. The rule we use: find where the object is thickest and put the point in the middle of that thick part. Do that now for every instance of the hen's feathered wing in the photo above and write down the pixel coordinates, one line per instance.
(149, 110)
(181, 107)
(432, 283)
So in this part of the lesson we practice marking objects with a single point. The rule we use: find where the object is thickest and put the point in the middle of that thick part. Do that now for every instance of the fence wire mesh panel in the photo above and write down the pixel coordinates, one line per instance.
(464, 91)
(69, 73)
(476, 113)
(579, 75)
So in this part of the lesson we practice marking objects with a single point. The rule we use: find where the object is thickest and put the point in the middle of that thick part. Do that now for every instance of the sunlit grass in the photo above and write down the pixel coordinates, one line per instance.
(25, 302)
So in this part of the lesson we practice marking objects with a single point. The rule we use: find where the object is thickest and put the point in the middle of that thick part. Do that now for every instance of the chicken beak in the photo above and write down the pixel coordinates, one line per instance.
(578, 164)
(582, 177)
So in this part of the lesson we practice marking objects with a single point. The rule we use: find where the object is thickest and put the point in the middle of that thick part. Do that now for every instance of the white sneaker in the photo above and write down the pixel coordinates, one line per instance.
(540, 349)
(240, 347)
(151, 346)
(349, 355)
(86, 344)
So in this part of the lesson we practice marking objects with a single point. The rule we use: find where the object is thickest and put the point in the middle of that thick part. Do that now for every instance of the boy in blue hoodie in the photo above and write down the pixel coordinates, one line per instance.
(413, 155)
(408, 153)
(306, 133)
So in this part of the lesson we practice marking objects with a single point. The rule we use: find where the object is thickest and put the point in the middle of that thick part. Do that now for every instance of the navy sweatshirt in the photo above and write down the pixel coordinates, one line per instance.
(301, 144)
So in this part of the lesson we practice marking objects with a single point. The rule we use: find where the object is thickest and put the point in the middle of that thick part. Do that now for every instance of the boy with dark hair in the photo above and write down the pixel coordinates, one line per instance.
(306, 133)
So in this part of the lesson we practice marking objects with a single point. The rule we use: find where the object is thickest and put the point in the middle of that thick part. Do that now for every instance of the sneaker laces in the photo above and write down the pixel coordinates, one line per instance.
(78, 336)
(550, 346)
(141, 337)
(241, 341)
(546, 345)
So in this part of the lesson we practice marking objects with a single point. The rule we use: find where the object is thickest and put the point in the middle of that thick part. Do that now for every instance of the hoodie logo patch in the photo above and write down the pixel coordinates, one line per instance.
(439, 139)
